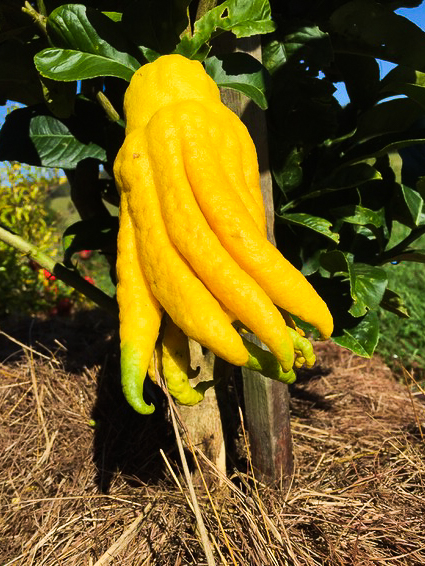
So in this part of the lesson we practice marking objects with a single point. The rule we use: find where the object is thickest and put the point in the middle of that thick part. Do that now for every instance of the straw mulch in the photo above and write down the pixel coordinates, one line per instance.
(85, 481)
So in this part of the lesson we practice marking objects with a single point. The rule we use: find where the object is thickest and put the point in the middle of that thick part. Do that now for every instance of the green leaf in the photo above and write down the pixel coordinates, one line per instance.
(114, 16)
(335, 261)
(315, 223)
(95, 234)
(392, 302)
(80, 28)
(356, 214)
(382, 145)
(274, 55)
(368, 284)
(391, 116)
(371, 28)
(287, 172)
(403, 80)
(32, 135)
(309, 46)
(57, 147)
(71, 65)
(407, 206)
(243, 18)
(349, 176)
(59, 96)
(241, 72)
(362, 338)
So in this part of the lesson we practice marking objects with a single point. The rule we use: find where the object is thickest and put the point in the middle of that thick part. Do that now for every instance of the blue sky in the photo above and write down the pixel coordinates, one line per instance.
(416, 15)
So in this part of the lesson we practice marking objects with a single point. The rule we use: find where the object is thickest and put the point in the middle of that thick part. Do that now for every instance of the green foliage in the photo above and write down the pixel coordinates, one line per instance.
(338, 191)
(402, 338)
(333, 166)
(24, 287)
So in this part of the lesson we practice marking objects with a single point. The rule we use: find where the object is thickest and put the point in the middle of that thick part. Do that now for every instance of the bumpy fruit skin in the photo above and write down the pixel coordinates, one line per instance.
(191, 200)
(192, 236)
(171, 279)
(176, 366)
(140, 315)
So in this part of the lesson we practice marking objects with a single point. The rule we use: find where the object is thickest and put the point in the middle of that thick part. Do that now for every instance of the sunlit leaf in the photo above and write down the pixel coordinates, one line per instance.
(243, 18)
(241, 72)
(362, 338)
(368, 284)
(319, 225)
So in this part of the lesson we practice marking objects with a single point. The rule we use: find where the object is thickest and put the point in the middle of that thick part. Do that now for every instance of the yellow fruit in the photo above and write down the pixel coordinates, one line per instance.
(191, 234)
(193, 239)
(240, 235)
(176, 366)
(140, 315)
(174, 284)
(165, 81)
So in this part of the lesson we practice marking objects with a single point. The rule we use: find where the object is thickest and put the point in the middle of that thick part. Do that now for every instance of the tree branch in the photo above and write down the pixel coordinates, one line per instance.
(68, 276)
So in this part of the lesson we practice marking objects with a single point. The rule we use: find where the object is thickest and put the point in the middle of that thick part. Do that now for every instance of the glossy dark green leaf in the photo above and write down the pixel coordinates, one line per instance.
(309, 46)
(349, 176)
(368, 284)
(274, 55)
(315, 223)
(57, 147)
(362, 338)
(243, 18)
(356, 214)
(78, 27)
(335, 261)
(87, 44)
(95, 234)
(32, 135)
(390, 116)
(371, 28)
(59, 96)
(407, 206)
(71, 65)
(382, 145)
(241, 72)
(287, 172)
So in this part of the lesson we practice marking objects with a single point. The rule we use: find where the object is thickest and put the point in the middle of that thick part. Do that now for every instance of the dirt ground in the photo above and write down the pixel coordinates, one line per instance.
(86, 481)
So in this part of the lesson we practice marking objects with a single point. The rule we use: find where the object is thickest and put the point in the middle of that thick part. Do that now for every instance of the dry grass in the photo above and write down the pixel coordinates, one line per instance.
(111, 491)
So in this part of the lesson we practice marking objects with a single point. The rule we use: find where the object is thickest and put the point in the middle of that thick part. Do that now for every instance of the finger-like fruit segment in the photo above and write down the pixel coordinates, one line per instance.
(303, 348)
(191, 234)
(172, 281)
(140, 316)
(176, 366)
(239, 234)
(265, 363)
